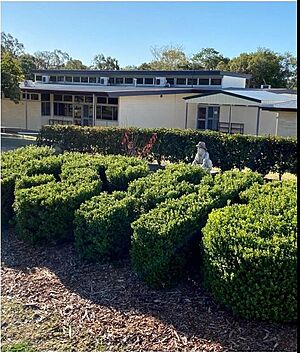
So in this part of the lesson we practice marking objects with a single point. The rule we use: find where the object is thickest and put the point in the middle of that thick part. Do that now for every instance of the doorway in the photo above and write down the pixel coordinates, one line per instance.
(208, 118)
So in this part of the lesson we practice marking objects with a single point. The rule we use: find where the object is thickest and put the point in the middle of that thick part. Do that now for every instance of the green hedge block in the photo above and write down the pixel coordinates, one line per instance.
(163, 236)
(250, 255)
(27, 182)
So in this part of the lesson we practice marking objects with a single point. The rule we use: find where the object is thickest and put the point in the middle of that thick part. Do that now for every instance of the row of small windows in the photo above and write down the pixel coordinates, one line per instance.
(139, 81)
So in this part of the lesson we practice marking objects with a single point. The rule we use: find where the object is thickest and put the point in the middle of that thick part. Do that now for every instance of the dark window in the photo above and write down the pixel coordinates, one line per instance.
(84, 79)
(107, 113)
(76, 79)
(181, 81)
(24, 95)
(112, 100)
(98, 112)
(92, 80)
(45, 108)
(79, 99)
(60, 78)
(139, 81)
(111, 80)
(63, 109)
(158, 81)
(52, 78)
(129, 80)
(203, 81)
(45, 97)
(67, 98)
(34, 97)
(192, 81)
(215, 81)
(38, 78)
(102, 100)
(69, 78)
(119, 80)
(102, 81)
(201, 125)
(58, 97)
(88, 99)
(171, 81)
(148, 81)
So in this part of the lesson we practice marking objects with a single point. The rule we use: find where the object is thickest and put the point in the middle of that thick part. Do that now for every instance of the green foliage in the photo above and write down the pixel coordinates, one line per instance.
(208, 59)
(250, 253)
(101, 62)
(162, 238)
(26, 182)
(102, 226)
(263, 154)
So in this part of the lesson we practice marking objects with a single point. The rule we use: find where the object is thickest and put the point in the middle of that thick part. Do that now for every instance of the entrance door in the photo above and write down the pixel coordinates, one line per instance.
(208, 118)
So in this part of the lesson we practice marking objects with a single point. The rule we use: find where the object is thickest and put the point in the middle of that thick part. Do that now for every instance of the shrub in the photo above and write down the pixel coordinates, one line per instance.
(250, 255)
(162, 238)
(102, 226)
(259, 153)
(27, 182)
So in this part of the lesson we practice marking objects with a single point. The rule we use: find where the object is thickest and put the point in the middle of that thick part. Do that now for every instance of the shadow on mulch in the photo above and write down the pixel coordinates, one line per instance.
(188, 307)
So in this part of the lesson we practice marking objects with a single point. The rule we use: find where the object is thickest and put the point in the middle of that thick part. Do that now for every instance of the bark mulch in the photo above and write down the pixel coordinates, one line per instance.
(67, 304)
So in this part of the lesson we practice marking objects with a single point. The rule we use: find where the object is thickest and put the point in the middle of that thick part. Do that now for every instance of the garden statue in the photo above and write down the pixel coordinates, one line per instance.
(202, 157)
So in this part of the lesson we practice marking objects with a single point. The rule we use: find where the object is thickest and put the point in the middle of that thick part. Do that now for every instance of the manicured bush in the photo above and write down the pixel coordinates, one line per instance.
(162, 237)
(102, 226)
(250, 254)
(27, 182)
(259, 153)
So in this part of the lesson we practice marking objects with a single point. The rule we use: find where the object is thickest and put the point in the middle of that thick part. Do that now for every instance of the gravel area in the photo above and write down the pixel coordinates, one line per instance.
(92, 307)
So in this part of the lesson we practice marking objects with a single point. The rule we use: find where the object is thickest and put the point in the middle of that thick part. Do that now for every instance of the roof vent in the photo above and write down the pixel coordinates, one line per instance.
(265, 86)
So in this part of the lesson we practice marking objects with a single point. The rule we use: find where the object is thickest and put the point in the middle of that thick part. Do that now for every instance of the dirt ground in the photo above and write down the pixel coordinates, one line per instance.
(51, 300)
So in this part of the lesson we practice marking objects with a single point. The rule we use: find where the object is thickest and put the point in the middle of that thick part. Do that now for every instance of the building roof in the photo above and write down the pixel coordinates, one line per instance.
(287, 106)
(156, 73)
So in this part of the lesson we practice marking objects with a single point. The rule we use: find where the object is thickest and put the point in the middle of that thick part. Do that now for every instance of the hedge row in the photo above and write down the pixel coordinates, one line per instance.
(263, 154)
(163, 236)
(103, 224)
(250, 253)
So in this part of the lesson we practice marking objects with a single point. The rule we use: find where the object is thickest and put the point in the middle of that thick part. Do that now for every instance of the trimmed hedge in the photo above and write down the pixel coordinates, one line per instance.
(27, 182)
(250, 253)
(259, 153)
(162, 237)
(102, 224)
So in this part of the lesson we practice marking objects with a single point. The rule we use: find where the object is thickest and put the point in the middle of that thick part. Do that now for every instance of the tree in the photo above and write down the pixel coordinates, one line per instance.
(75, 64)
(265, 66)
(11, 76)
(145, 66)
(168, 58)
(101, 62)
(11, 45)
(28, 65)
(208, 59)
(55, 59)
(289, 68)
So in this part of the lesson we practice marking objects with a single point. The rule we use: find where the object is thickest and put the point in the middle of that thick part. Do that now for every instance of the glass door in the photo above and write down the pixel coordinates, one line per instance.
(87, 119)
(208, 118)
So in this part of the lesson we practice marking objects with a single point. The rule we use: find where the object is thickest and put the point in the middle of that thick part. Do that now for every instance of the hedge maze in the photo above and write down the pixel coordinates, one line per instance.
(112, 207)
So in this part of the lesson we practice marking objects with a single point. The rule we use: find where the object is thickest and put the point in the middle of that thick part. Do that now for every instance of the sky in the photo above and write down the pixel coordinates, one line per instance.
(127, 30)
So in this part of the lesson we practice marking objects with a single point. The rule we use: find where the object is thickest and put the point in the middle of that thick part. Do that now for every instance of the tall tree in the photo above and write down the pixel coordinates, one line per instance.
(101, 62)
(11, 45)
(289, 68)
(55, 59)
(168, 58)
(28, 65)
(11, 76)
(208, 59)
(75, 64)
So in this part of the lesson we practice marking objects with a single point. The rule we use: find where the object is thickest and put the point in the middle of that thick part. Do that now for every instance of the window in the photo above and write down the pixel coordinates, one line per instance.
(148, 81)
(139, 81)
(203, 81)
(88, 99)
(67, 98)
(171, 81)
(76, 79)
(129, 80)
(45, 97)
(215, 81)
(105, 112)
(38, 78)
(111, 80)
(112, 100)
(52, 78)
(92, 79)
(34, 97)
(181, 81)
(84, 79)
(63, 109)
(119, 80)
(24, 95)
(60, 78)
(192, 81)
(58, 97)
(45, 108)
(208, 118)
(78, 99)
(69, 79)
(158, 81)
(101, 100)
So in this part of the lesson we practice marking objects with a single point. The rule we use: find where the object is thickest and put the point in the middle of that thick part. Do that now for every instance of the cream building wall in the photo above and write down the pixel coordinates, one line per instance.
(287, 124)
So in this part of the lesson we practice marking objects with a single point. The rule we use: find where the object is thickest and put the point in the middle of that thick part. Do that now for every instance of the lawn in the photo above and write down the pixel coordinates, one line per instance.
(51, 300)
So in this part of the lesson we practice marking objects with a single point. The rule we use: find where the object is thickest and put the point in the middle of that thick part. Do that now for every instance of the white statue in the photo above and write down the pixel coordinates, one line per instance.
(202, 157)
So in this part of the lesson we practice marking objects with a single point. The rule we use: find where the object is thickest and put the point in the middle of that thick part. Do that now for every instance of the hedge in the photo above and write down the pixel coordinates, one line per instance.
(162, 237)
(259, 153)
(250, 254)
(102, 224)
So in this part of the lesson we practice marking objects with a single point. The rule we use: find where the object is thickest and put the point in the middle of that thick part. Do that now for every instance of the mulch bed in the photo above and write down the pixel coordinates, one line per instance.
(110, 306)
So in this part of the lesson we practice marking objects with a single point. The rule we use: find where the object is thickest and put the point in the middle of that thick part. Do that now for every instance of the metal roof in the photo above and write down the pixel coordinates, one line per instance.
(142, 73)
(288, 106)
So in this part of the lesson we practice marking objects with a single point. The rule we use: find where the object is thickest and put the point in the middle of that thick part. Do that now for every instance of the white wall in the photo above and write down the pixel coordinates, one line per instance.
(230, 81)
(287, 123)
